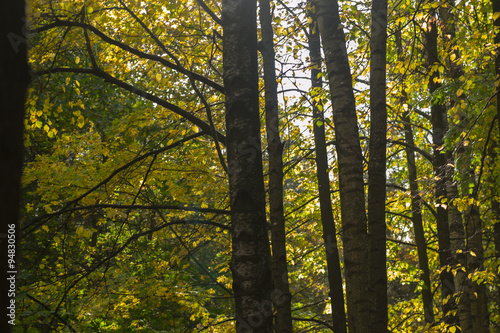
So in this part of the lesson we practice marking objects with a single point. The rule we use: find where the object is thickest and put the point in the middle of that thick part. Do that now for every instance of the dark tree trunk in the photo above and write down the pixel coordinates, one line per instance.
(281, 294)
(350, 164)
(377, 167)
(416, 204)
(418, 228)
(439, 128)
(250, 264)
(496, 24)
(329, 231)
(14, 80)
(496, 204)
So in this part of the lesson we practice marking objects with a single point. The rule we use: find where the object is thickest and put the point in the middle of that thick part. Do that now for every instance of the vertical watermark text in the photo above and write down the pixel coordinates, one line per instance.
(11, 273)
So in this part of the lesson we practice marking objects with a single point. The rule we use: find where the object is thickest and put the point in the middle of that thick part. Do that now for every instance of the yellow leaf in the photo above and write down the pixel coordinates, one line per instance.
(44, 227)
(472, 253)
(158, 77)
(459, 92)
(77, 60)
(68, 79)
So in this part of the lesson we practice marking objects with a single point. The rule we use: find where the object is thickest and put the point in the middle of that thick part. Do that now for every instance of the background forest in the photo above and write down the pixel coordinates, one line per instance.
(148, 159)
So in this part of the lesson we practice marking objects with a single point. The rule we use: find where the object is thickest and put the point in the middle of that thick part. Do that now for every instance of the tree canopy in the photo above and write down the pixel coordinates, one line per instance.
(202, 165)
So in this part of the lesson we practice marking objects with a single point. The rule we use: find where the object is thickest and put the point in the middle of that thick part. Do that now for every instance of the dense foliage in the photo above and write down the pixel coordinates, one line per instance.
(126, 222)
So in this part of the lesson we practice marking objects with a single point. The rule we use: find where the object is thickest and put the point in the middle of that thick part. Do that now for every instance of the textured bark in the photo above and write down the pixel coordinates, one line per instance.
(474, 238)
(329, 231)
(350, 164)
(281, 294)
(250, 263)
(472, 306)
(458, 250)
(377, 167)
(439, 128)
(14, 79)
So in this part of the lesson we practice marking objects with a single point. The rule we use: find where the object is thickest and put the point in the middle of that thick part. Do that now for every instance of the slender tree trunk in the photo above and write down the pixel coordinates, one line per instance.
(496, 24)
(281, 294)
(350, 164)
(377, 167)
(458, 250)
(474, 237)
(14, 79)
(439, 128)
(250, 263)
(329, 231)
(416, 204)
(472, 307)
(495, 204)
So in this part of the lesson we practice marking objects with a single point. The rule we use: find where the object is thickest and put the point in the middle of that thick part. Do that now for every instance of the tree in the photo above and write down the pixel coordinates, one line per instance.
(377, 167)
(144, 164)
(327, 219)
(350, 164)
(282, 296)
(250, 263)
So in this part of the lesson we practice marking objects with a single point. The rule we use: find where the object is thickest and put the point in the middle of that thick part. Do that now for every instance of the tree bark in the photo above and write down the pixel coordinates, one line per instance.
(350, 164)
(439, 128)
(473, 310)
(496, 25)
(250, 263)
(474, 243)
(458, 250)
(281, 294)
(14, 80)
(329, 231)
(416, 204)
(495, 203)
(377, 167)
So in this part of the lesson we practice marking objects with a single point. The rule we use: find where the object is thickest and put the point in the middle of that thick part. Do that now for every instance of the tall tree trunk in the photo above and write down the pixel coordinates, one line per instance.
(472, 307)
(458, 250)
(329, 231)
(495, 203)
(14, 79)
(496, 24)
(377, 167)
(350, 164)
(439, 128)
(416, 204)
(250, 263)
(475, 251)
(495, 208)
(281, 294)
